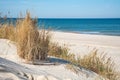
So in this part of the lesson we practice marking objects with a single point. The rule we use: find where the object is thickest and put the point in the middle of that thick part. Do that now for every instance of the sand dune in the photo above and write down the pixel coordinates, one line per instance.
(12, 66)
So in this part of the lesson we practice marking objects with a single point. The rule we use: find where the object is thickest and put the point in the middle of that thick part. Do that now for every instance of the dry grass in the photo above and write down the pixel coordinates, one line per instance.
(31, 44)
(61, 52)
(58, 51)
(7, 31)
(99, 64)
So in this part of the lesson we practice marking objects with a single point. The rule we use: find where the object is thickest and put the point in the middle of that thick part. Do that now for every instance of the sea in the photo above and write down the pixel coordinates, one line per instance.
(97, 26)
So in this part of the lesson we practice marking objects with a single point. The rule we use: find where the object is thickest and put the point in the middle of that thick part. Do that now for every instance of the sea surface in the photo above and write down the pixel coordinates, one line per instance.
(109, 26)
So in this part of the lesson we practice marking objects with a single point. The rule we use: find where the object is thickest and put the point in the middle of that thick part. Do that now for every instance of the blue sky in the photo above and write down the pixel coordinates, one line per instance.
(62, 8)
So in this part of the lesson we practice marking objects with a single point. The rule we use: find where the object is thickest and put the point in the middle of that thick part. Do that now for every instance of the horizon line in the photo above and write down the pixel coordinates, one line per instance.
(68, 17)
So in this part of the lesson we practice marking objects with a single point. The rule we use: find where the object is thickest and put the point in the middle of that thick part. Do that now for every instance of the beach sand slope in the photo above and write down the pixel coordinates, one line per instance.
(12, 67)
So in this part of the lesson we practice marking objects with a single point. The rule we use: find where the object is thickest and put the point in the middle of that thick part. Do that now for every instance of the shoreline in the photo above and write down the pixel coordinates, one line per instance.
(87, 33)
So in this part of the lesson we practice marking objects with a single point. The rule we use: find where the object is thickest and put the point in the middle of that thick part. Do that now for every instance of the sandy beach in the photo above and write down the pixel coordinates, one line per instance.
(79, 44)
(82, 44)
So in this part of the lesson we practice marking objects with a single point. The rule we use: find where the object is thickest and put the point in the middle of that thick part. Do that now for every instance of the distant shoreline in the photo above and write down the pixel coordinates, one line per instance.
(87, 33)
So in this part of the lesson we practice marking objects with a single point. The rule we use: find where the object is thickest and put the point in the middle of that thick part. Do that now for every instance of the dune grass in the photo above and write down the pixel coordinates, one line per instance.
(58, 51)
(100, 64)
(31, 44)
(61, 51)
(7, 31)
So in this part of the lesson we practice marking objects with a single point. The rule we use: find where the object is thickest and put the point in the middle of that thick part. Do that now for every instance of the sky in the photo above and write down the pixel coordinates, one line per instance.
(61, 8)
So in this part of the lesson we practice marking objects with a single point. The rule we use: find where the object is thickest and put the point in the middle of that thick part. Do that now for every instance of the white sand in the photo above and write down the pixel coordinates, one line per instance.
(12, 67)
(79, 44)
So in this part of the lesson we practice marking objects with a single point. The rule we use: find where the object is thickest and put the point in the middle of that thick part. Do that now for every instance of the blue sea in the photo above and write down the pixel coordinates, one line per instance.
(110, 26)
(84, 26)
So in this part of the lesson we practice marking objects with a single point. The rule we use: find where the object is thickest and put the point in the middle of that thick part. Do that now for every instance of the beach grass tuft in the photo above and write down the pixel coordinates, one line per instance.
(99, 64)
(31, 44)
(7, 31)
(58, 51)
